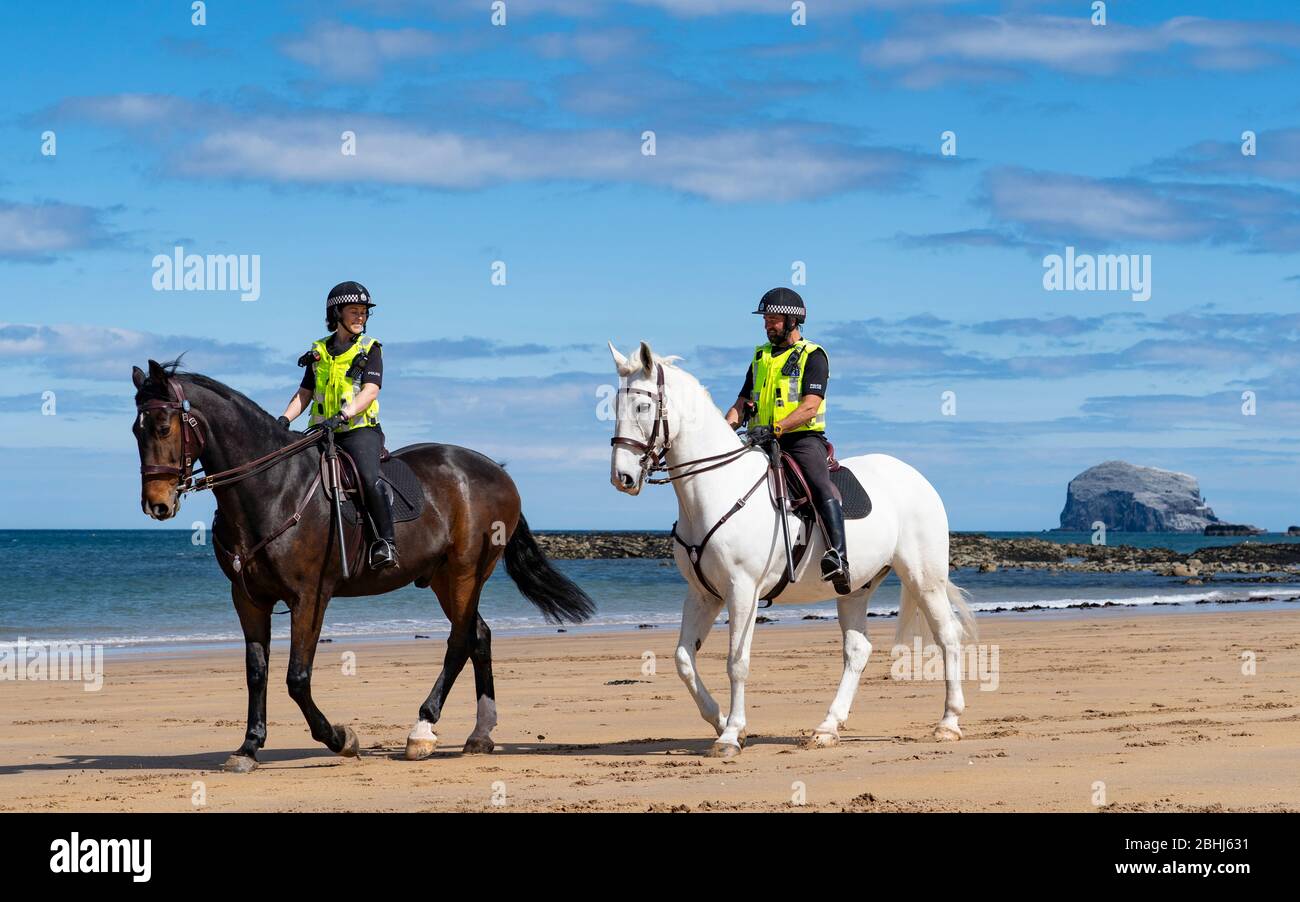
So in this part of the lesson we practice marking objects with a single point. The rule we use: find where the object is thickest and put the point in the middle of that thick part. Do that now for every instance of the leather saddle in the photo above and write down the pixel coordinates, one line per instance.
(850, 493)
(396, 478)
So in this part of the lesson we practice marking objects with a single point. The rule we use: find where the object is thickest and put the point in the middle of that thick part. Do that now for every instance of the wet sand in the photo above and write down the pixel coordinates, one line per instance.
(1148, 713)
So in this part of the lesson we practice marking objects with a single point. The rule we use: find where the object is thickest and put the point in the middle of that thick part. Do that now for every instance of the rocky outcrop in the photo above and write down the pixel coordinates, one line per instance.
(976, 551)
(578, 545)
(1233, 529)
(1129, 498)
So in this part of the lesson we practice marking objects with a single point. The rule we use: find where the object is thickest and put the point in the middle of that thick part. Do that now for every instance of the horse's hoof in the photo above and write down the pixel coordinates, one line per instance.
(724, 750)
(822, 741)
(239, 764)
(947, 734)
(351, 745)
(421, 741)
(419, 749)
(479, 745)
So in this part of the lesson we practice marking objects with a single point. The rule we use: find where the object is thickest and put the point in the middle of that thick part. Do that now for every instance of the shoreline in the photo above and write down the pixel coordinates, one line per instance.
(769, 618)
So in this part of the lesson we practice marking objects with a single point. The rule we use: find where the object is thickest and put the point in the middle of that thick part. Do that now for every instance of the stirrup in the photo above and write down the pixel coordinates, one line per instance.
(839, 576)
(832, 564)
(383, 554)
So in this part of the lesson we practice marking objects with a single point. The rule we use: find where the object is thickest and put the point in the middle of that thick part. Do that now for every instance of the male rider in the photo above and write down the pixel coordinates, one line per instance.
(785, 390)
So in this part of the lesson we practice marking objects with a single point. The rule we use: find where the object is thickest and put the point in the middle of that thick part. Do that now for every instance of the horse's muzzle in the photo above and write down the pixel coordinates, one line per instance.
(625, 482)
(161, 510)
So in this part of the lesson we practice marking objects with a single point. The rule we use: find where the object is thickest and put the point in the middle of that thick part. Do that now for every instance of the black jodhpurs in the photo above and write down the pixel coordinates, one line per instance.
(364, 444)
(810, 451)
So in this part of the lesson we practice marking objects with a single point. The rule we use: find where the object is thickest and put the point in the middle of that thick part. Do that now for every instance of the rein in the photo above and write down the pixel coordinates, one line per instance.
(193, 441)
(654, 461)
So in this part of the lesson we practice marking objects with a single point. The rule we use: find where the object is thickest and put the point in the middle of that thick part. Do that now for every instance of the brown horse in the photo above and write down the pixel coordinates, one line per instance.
(277, 540)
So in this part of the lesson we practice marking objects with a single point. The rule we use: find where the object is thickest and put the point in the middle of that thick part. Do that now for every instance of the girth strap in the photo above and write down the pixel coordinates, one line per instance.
(237, 559)
(696, 552)
(784, 581)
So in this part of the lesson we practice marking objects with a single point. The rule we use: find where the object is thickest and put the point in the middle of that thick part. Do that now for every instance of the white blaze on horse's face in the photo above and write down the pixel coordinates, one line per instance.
(634, 416)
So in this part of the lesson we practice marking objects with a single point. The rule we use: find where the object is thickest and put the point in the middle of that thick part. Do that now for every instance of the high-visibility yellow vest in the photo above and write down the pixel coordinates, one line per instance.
(777, 382)
(333, 387)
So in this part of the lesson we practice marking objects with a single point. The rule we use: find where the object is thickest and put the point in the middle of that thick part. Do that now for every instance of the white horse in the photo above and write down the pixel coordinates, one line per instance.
(664, 412)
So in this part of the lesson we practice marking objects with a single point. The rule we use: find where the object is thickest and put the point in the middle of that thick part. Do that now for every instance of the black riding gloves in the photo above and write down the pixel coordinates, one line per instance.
(760, 435)
(283, 421)
(336, 421)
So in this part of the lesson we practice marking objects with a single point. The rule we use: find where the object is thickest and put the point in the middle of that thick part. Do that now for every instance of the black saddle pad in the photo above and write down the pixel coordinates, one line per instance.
(857, 504)
(408, 494)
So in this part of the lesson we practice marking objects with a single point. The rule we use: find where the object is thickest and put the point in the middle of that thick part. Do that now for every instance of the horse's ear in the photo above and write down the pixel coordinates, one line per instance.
(647, 358)
(619, 360)
(137, 376)
(156, 372)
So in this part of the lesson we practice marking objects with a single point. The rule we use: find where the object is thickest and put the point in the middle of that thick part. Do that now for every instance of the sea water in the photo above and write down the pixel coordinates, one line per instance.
(155, 589)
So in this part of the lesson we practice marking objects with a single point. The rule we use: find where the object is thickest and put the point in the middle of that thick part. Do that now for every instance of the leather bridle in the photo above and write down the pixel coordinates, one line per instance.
(194, 440)
(652, 461)
(651, 457)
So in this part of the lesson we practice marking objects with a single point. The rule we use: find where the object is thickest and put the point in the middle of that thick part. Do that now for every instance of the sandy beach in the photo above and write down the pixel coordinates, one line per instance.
(1156, 708)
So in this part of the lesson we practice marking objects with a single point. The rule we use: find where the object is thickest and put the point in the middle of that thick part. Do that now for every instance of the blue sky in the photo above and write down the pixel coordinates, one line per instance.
(775, 143)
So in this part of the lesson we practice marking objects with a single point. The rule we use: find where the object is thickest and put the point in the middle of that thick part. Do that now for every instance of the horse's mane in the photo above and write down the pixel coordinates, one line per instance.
(152, 389)
(669, 362)
(633, 363)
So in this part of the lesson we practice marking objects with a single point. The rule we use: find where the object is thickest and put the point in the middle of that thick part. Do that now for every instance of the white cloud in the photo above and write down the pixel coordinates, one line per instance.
(129, 110)
(1278, 158)
(347, 52)
(590, 46)
(735, 165)
(816, 8)
(678, 8)
(39, 232)
(1052, 206)
(934, 50)
(79, 351)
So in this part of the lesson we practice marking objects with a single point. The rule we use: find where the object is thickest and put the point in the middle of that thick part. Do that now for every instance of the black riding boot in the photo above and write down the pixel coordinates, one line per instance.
(383, 553)
(835, 563)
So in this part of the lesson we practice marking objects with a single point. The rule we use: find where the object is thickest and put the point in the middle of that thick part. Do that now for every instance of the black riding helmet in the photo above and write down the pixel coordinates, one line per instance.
(341, 295)
(783, 300)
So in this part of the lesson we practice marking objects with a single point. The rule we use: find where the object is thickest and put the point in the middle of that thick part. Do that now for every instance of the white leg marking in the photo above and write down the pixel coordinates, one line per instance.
(421, 742)
(487, 718)
(423, 730)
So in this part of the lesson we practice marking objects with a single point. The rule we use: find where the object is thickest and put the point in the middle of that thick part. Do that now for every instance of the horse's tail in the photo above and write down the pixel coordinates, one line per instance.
(957, 596)
(556, 596)
(912, 623)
